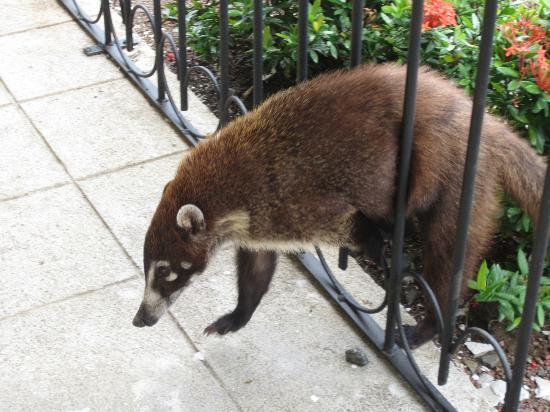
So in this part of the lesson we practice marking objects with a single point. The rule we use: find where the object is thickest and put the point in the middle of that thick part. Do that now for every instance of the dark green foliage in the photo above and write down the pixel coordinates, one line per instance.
(508, 288)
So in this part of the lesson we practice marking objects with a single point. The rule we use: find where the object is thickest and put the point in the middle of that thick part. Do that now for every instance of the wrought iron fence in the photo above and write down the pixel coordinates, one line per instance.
(101, 29)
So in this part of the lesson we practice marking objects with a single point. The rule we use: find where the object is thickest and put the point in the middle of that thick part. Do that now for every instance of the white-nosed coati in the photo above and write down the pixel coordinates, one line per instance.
(317, 164)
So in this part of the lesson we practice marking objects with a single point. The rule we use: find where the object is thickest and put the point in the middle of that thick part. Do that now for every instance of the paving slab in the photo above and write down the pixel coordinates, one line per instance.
(104, 127)
(291, 356)
(137, 191)
(459, 390)
(28, 14)
(31, 61)
(21, 15)
(54, 246)
(83, 354)
(293, 348)
(27, 163)
(5, 98)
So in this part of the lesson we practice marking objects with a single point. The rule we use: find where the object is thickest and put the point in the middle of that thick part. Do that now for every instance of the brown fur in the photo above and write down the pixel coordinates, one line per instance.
(311, 159)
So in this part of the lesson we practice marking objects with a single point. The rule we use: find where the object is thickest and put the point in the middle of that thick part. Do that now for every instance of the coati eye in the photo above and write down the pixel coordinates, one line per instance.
(164, 270)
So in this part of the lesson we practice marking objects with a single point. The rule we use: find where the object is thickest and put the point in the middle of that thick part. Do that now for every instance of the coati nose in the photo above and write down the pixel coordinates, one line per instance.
(143, 318)
(138, 322)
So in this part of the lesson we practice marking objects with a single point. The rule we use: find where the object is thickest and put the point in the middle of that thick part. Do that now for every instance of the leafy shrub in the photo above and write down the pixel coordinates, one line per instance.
(514, 92)
(508, 288)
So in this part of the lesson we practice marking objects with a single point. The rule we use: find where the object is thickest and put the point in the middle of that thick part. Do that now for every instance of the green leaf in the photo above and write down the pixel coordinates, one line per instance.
(472, 285)
(540, 315)
(507, 297)
(531, 87)
(514, 324)
(506, 309)
(522, 262)
(386, 19)
(508, 72)
(513, 85)
(267, 37)
(525, 222)
(482, 276)
(314, 56)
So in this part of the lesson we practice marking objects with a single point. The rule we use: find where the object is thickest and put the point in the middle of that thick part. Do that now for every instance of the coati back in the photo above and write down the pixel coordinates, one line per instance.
(312, 165)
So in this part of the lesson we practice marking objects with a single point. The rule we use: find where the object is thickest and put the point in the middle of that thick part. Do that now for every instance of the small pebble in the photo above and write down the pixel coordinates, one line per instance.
(314, 398)
(490, 359)
(357, 356)
(543, 388)
(499, 388)
(199, 356)
(471, 365)
(485, 379)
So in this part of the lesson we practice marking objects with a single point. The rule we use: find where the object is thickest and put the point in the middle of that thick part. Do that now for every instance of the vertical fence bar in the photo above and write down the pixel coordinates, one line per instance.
(303, 11)
(356, 31)
(160, 52)
(182, 41)
(535, 274)
(413, 61)
(468, 185)
(224, 60)
(258, 52)
(107, 21)
(126, 11)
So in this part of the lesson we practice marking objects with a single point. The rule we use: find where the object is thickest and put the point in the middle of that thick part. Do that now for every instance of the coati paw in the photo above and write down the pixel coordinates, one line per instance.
(416, 336)
(231, 322)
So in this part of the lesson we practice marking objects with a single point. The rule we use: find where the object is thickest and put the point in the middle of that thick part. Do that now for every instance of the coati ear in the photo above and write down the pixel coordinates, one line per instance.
(190, 219)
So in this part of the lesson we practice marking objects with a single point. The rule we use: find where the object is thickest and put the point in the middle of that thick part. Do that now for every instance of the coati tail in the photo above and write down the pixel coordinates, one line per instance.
(521, 170)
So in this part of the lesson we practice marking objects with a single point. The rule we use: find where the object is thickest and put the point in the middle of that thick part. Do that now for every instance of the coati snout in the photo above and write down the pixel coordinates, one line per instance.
(317, 164)
(169, 266)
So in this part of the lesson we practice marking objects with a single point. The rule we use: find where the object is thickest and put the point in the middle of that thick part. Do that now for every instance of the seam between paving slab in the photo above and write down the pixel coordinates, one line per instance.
(130, 165)
(69, 297)
(206, 364)
(92, 176)
(70, 89)
(37, 190)
(73, 181)
(35, 28)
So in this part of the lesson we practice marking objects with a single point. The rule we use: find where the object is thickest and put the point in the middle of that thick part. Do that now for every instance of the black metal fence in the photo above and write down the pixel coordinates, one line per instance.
(103, 31)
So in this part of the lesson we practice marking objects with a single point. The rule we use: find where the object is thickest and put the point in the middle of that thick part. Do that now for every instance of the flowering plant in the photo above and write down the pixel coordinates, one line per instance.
(438, 13)
(529, 42)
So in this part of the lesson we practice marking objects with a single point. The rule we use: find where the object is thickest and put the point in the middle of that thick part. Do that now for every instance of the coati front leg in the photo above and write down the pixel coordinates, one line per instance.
(254, 270)
(367, 239)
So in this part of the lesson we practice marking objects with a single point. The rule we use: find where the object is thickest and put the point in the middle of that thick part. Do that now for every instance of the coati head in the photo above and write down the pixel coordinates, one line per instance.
(176, 247)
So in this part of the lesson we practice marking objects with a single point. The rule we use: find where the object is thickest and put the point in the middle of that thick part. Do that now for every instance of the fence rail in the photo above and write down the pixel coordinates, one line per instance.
(102, 30)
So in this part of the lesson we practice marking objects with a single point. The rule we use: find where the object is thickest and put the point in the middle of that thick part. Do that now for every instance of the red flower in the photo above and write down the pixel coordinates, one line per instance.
(438, 13)
(523, 35)
(528, 42)
(170, 57)
(540, 68)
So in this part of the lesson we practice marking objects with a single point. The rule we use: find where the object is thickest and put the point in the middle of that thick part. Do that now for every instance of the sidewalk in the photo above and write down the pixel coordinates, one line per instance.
(83, 162)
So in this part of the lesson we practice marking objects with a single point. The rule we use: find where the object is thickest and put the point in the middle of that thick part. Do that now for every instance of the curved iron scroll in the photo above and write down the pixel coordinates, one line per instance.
(103, 30)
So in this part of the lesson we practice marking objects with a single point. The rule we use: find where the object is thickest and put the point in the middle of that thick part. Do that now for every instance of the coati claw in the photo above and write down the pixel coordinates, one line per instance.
(228, 323)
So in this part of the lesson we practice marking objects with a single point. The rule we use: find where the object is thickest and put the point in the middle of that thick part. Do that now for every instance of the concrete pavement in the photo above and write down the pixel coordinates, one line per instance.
(83, 161)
